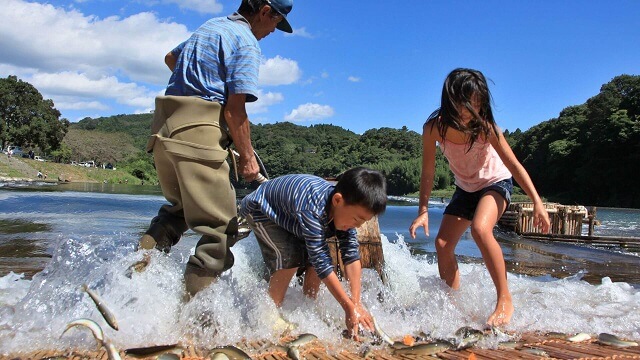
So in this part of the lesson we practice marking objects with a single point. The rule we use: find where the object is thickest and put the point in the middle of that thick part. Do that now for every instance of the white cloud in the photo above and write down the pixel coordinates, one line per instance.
(279, 71)
(310, 111)
(302, 32)
(324, 75)
(353, 79)
(263, 102)
(55, 40)
(201, 6)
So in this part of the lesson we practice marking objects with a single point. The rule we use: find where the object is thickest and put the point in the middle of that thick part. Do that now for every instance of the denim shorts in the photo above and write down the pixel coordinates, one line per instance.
(463, 204)
(280, 248)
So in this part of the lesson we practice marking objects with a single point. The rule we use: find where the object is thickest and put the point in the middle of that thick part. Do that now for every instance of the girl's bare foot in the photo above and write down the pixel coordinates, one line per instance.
(502, 314)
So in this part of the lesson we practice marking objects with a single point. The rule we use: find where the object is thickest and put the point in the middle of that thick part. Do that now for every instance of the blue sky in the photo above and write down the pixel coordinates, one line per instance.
(354, 64)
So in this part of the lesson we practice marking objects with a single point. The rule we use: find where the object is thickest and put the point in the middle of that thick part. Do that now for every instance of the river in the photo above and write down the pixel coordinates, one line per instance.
(54, 238)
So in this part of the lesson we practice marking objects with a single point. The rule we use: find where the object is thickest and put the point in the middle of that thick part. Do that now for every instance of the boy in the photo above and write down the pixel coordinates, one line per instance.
(293, 215)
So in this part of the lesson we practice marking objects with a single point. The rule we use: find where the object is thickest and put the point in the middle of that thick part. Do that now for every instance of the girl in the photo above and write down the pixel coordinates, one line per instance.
(483, 165)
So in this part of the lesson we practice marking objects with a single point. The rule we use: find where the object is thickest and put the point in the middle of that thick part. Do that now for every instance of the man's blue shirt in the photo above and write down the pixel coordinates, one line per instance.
(222, 57)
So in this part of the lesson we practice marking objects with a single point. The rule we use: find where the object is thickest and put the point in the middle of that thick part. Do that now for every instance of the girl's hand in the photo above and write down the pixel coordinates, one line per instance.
(421, 220)
(541, 218)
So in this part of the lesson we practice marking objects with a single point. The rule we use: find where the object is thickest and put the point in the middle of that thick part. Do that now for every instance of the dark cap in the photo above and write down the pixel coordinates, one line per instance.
(282, 7)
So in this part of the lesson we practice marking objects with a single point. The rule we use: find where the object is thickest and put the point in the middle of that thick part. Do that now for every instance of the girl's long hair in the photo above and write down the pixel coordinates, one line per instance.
(463, 87)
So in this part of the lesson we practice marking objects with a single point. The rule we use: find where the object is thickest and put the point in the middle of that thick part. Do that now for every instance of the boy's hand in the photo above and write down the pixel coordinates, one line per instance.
(356, 317)
(421, 220)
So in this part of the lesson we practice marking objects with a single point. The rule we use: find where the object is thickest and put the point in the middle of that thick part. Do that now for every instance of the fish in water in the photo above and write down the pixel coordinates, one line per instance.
(432, 348)
(466, 337)
(112, 352)
(609, 339)
(143, 352)
(232, 352)
(381, 334)
(102, 307)
(138, 266)
(96, 330)
(218, 356)
(579, 337)
(302, 340)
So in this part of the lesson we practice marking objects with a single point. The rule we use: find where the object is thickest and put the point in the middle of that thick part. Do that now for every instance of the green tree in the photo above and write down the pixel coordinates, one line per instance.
(27, 119)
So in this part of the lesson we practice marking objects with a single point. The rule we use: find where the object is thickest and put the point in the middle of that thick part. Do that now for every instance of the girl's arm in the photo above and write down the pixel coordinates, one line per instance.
(540, 215)
(429, 138)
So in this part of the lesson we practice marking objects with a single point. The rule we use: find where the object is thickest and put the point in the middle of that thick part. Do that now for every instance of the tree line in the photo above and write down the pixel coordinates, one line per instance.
(588, 155)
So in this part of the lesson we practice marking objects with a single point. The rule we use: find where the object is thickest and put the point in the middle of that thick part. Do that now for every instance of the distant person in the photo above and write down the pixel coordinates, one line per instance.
(293, 215)
(483, 165)
(39, 175)
(215, 73)
(9, 154)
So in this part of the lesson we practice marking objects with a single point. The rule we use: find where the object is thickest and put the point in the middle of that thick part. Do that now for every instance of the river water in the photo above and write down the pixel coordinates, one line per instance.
(54, 239)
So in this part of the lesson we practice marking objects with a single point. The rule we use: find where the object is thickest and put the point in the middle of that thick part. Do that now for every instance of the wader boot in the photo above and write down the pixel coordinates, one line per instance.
(199, 274)
(164, 231)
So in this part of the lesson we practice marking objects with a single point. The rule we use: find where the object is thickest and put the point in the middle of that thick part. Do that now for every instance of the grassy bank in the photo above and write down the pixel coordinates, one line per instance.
(26, 168)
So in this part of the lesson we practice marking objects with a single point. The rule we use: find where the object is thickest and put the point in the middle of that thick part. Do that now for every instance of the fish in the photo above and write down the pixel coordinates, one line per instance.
(293, 352)
(232, 352)
(535, 351)
(143, 352)
(218, 356)
(555, 335)
(508, 345)
(171, 356)
(609, 339)
(579, 337)
(381, 334)
(104, 310)
(112, 352)
(302, 340)
(96, 330)
(138, 266)
(468, 337)
(432, 348)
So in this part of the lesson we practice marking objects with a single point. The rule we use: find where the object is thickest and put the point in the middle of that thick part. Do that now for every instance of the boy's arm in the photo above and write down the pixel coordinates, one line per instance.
(354, 313)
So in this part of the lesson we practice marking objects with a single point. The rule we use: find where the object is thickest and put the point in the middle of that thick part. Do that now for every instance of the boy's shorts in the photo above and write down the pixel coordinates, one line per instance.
(463, 204)
(280, 248)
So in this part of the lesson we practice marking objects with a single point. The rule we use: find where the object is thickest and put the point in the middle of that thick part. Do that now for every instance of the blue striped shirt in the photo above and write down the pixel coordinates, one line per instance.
(298, 203)
(222, 57)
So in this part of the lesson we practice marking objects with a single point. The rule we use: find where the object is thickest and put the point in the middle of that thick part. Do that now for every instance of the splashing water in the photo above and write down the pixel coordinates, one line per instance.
(150, 310)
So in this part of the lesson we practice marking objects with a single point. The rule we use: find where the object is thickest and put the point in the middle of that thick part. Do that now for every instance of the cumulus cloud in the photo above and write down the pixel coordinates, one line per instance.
(279, 71)
(353, 79)
(263, 102)
(302, 32)
(310, 111)
(201, 6)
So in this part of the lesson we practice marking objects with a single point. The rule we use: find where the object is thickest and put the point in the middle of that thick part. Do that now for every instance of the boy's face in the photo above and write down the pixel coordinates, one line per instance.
(346, 216)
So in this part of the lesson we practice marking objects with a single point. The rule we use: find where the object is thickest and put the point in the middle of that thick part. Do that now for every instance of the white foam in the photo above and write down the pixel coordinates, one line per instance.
(149, 307)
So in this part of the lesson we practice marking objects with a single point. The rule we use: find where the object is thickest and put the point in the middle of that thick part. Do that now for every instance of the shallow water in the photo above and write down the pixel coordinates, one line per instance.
(88, 238)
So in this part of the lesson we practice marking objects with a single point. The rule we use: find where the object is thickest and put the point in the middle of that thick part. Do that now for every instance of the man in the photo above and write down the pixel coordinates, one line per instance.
(215, 72)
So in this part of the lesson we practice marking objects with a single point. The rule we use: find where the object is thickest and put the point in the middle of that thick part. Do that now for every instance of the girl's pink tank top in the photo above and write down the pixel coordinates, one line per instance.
(476, 169)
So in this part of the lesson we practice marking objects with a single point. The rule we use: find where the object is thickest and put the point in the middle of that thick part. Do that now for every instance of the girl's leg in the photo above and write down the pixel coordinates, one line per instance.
(311, 282)
(279, 283)
(451, 229)
(488, 212)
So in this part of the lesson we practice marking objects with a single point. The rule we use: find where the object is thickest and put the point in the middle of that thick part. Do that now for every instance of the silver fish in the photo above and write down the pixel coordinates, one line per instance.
(424, 349)
(302, 340)
(144, 352)
(232, 352)
(535, 351)
(106, 313)
(112, 352)
(381, 333)
(579, 337)
(96, 330)
(555, 335)
(218, 356)
(293, 352)
(468, 337)
(508, 345)
(609, 339)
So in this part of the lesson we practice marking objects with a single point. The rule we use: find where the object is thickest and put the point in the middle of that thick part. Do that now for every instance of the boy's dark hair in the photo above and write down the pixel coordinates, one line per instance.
(365, 187)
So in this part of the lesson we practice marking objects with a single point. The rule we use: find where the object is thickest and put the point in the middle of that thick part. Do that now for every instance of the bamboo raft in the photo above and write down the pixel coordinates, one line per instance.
(316, 350)
(566, 225)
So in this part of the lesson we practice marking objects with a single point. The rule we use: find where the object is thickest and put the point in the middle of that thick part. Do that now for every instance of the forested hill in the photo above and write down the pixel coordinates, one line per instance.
(589, 154)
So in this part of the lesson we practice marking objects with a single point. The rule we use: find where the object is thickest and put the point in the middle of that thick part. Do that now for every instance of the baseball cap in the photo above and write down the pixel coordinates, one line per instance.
(282, 7)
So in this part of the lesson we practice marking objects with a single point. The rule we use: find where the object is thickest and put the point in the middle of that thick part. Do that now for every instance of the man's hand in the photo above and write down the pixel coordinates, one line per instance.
(248, 168)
